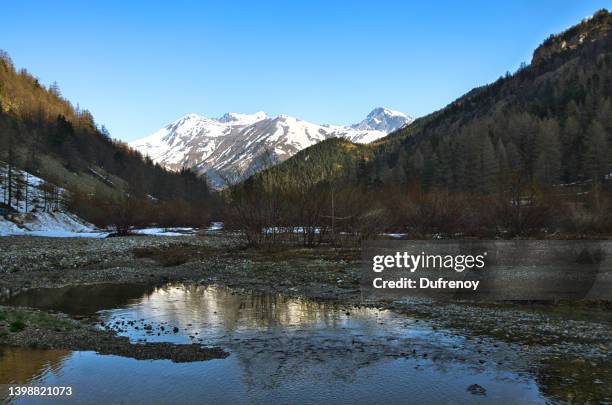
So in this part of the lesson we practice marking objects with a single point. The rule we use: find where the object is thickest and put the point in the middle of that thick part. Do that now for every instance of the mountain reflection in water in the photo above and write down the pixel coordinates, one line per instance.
(282, 349)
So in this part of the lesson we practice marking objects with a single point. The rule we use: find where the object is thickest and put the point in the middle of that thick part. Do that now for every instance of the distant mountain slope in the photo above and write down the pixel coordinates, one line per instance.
(550, 122)
(236, 145)
(530, 154)
(43, 133)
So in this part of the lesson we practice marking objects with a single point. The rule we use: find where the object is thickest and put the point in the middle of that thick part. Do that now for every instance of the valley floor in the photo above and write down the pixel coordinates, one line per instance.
(324, 274)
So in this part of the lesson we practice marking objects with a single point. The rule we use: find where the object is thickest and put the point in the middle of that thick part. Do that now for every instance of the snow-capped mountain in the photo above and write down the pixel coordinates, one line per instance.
(383, 119)
(235, 145)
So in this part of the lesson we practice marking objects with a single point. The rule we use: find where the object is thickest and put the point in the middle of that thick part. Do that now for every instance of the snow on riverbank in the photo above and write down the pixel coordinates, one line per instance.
(176, 231)
(164, 231)
(65, 225)
(214, 226)
(51, 224)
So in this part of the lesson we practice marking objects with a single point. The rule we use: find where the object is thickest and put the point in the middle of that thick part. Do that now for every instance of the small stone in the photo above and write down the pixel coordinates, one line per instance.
(477, 390)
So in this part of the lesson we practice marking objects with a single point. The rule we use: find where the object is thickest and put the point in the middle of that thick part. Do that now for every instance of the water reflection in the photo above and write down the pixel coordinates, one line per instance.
(223, 310)
(80, 300)
(28, 366)
(282, 350)
(278, 341)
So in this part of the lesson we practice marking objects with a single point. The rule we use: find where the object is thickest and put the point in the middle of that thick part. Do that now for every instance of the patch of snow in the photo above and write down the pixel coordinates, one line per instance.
(243, 119)
(164, 231)
(26, 184)
(9, 228)
(215, 226)
(396, 235)
(65, 234)
(290, 229)
(38, 209)
(50, 224)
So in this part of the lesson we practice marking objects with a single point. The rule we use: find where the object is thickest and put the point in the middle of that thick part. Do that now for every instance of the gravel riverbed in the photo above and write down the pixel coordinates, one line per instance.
(583, 331)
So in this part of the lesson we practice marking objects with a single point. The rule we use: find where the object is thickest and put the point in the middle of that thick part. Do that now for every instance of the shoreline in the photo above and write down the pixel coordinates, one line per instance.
(36, 329)
(322, 274)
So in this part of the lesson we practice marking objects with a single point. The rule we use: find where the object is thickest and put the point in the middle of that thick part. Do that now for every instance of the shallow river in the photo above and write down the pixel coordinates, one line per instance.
(283, 350)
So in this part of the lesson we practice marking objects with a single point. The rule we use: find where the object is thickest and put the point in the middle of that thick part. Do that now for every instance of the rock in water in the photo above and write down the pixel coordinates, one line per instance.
(477, 389)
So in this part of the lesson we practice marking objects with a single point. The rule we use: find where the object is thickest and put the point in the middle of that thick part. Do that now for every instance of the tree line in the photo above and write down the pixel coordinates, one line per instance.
(530, 154)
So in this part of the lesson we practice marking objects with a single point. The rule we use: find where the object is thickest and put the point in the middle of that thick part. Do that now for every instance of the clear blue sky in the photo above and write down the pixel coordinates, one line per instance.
(138, 65)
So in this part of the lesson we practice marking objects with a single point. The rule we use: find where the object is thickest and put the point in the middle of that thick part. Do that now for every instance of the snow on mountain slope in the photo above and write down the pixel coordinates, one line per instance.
(242, 119)
(383, 119)
(36, 208)
(234, 146)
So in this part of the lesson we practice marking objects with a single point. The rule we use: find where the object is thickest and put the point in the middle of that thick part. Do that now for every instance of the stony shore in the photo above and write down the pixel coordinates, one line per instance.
(25, 327)
(323, 274)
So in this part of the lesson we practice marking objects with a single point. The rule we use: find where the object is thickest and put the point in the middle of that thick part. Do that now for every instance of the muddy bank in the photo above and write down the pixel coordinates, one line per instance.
(32, 328)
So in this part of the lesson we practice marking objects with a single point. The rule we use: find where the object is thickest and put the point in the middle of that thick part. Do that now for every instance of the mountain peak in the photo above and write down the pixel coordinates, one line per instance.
(186, 121)
(187, 117)
(386, 111)
(242, 119)
(383, 119)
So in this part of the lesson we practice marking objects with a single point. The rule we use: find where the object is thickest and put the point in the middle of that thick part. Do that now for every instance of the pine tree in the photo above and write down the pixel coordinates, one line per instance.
(514, 159)
(443, 172)
(55, 90)
(572, 146)
(417, 161)
(489, 166)
(11, 164)
(596, 156)
(548, 163)
(503, 166)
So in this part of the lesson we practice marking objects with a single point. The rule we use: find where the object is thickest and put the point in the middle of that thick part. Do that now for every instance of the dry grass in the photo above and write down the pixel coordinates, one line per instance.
(180, 253)
(173, 255)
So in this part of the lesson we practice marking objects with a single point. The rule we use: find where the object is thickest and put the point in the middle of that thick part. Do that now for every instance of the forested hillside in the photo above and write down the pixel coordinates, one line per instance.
(528, 154)
(551, 121)
(300, 193)
(108, 182)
